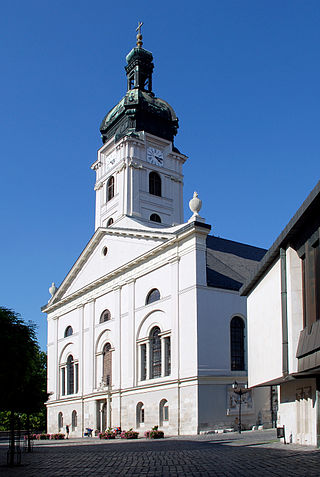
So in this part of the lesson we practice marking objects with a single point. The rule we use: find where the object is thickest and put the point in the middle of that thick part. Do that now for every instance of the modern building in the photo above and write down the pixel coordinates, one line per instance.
(284, 323)
(148, 327)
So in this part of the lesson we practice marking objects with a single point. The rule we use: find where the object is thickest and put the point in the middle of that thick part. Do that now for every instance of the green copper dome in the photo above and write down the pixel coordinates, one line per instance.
(140, 110)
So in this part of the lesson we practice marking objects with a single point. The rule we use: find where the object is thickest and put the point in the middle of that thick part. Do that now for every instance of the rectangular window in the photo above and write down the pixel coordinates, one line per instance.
(143, 355)
(142, 415)
(76, 384)
(63, 381)
(167, 344)
(166, 413)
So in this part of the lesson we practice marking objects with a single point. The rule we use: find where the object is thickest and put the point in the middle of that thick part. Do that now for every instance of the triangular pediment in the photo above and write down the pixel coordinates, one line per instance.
(108, 251)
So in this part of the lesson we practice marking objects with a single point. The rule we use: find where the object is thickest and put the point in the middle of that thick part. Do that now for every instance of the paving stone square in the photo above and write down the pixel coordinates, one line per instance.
(255, 453)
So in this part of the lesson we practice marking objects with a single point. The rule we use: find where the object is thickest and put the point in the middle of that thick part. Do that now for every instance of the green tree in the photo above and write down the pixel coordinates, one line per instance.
(22, 369)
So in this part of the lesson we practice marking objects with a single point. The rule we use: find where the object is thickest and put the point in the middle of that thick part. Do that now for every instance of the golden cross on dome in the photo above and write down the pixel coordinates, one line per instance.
(139, 35)
(138, 29)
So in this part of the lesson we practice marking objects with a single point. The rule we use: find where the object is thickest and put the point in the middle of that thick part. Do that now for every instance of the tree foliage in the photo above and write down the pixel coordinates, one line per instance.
(22, 366)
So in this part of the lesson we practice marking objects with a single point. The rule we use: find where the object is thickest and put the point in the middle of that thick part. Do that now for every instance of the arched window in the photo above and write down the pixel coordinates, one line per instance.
(163, 412)
(237, 344)
(70, 375)
(154, 184)
(155, 218)
(153, 295)
(140, 414)
(60, 420)
(74, 419)
(110, 222)
(107, 364)
(68, 331)
(155, 353)
(105, 316)
(110, 188)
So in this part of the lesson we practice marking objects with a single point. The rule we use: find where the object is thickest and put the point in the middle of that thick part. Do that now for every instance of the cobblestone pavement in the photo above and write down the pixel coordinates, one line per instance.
(255, 453)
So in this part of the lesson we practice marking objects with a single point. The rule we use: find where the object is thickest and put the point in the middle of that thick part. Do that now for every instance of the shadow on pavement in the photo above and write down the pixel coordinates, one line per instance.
(170, 457)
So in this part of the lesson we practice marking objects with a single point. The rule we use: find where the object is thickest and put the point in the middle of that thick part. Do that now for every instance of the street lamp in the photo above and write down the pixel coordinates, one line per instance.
(240, 391)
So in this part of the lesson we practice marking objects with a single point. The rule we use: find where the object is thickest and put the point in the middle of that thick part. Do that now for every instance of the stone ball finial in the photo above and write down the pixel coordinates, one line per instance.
(52, 289)
(195, 204)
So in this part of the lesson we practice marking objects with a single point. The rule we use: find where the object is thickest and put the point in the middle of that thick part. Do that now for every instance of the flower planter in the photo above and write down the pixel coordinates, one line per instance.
(107, 435)
(154, 433)
(129, 434)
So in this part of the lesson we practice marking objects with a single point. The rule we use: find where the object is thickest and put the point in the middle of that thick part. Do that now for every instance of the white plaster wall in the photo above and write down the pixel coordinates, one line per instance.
(66, 408)
(130, 169)
(198, 319)
(264, 329)
(214, 410)
(298, 416)
(216, 308)
(120, 251)
(295, 305)
(188, 333)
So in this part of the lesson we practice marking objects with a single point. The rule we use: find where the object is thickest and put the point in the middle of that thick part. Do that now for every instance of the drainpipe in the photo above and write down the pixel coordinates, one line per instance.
(284, 312)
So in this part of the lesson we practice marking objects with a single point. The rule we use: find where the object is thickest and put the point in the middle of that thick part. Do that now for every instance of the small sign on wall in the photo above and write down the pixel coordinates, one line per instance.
(233, 402)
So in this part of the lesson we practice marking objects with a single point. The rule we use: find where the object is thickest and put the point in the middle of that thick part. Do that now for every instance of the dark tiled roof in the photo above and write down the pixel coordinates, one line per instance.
(229, 264)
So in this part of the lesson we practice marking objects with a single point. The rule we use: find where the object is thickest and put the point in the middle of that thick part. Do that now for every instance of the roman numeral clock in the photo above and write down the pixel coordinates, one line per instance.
(155, 156)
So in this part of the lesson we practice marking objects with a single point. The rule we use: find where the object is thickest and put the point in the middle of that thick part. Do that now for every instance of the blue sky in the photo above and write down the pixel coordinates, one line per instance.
(242, 76)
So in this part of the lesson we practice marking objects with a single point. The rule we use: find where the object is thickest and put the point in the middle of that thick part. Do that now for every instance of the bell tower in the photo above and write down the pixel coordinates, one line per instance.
(139, 170)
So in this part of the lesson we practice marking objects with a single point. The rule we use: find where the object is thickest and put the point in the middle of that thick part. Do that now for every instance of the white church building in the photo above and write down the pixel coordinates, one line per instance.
(148, 327)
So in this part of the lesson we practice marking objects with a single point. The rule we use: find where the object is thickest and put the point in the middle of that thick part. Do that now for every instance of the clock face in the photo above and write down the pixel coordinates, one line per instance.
(110, 160)
(155, 156)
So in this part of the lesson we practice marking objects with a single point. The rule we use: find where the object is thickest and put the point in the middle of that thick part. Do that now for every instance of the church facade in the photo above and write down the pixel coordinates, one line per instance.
(148, 328)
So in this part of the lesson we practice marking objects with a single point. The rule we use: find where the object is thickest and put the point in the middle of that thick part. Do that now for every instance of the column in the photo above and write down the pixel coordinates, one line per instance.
(101, 404)
(56, 360)
(81, 357)
(175, 336)
(132, 331)
(108, 411)
(116, 378)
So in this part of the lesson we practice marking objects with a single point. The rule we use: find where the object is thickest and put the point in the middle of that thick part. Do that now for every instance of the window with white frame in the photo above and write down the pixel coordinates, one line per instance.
(153, 295)
(140, 414)
(110, 188)
(163, 412)
(155, 355)
(107, 365)
(69, 375)
(237, 344)
(68, 331)
(143, 360)
(74, 419)
(60, 420)
(105, 316)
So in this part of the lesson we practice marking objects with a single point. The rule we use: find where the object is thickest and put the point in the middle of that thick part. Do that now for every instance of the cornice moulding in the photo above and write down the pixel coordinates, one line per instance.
(171, 239)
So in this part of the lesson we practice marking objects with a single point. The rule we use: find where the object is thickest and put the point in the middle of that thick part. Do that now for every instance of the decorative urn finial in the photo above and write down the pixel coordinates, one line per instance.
(139, 35)
(52, 289)
(195, 204)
